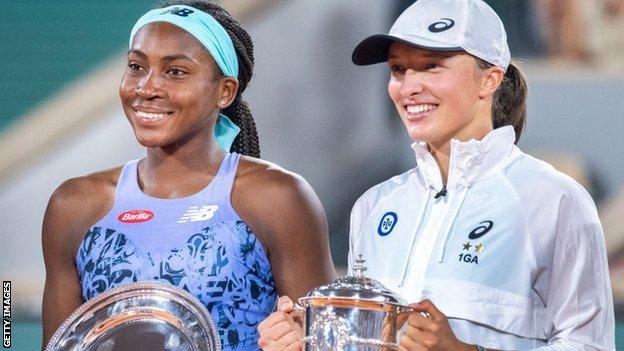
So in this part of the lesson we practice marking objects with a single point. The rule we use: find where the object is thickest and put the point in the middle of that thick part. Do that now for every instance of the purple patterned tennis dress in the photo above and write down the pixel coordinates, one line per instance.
(198, 243)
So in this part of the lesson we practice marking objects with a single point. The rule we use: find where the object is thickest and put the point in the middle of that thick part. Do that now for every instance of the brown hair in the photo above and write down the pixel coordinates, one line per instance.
(246, 142)
(509, 107)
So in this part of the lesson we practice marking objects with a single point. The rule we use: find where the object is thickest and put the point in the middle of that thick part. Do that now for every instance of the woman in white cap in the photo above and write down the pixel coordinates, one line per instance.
(502, 251)
(201, 211)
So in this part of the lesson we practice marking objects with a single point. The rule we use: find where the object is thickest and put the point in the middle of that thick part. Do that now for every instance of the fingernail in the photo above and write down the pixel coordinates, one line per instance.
(284, 303)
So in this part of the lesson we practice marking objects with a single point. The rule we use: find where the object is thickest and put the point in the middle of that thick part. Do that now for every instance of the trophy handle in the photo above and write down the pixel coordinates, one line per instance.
(297, 307)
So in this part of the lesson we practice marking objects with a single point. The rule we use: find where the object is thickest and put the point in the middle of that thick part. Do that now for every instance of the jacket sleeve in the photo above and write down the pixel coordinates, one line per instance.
(579, 302)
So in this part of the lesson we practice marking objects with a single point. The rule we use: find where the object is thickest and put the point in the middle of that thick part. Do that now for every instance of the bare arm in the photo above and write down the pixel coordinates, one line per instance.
(61, 295)
(284, 212)
(286, 215)
(72, 209)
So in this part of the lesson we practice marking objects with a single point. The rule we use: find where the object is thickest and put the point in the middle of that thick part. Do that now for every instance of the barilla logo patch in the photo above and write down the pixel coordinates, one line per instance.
(135, 216)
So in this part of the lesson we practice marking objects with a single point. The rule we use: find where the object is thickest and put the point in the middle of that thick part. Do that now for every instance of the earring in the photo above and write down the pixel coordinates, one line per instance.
(222, 103)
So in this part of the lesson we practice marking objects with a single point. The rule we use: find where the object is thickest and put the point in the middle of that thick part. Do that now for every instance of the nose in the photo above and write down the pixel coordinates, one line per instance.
(149, 87)
(411, 84)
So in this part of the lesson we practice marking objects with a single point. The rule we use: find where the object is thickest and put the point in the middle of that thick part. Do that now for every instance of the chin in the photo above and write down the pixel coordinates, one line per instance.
(149, 143)
(150, 140)
(417, 134)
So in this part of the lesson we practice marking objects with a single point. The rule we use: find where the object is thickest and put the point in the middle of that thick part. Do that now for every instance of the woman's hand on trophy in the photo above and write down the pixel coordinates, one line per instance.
(283, 329)
(428, 329)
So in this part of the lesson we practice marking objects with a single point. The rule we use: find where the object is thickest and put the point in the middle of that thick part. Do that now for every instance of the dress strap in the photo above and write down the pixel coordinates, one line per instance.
(221, 186)
(128, 183)
(224, 180)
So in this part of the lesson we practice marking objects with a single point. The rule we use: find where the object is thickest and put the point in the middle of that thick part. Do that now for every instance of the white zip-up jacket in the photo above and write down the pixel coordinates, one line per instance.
(513, 254)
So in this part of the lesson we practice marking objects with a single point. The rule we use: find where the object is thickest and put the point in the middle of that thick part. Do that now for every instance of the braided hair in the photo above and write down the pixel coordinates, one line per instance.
(246, 142)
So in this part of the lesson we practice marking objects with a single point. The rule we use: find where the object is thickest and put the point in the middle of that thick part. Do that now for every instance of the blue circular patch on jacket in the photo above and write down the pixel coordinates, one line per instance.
(387, 223)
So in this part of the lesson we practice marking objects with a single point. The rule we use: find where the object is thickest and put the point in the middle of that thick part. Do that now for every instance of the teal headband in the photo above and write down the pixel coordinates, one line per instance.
(203, 27)
(214, 38)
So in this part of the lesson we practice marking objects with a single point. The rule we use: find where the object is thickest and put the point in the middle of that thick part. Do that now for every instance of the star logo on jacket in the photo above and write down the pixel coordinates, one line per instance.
(196, 213)
(479, 248)
(387, 223)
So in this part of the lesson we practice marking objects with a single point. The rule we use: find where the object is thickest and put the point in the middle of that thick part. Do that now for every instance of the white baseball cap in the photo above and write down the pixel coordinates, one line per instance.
(442, 25)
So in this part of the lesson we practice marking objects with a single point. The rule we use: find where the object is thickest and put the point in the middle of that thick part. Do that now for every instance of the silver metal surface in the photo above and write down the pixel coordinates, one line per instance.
(139, 316)
(356, 287)
(353, 313)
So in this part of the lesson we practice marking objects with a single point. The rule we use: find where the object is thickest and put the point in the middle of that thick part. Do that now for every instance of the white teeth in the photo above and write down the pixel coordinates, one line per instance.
(420, 108)
(151, 116)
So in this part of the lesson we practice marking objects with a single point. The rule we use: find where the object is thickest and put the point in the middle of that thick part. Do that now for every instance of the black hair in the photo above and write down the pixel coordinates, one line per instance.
(246, 142)
(509, 105)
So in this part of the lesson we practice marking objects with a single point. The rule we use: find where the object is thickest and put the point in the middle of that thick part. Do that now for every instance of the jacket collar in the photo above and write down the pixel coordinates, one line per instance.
(469, 161)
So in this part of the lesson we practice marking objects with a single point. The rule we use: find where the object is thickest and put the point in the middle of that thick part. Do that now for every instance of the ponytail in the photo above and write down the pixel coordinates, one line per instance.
(509, 106)
(246, 141)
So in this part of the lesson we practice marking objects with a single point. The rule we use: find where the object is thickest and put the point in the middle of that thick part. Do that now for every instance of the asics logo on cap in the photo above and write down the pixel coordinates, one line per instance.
(441, 26)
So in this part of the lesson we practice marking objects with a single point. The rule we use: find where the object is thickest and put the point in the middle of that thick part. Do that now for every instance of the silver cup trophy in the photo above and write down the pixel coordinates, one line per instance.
(353, 313)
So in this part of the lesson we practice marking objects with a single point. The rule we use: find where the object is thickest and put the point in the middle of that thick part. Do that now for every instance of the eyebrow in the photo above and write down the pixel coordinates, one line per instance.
(167, 58)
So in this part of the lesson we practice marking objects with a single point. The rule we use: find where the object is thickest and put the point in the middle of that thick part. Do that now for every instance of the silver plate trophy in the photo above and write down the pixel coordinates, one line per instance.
(139, 316)
(353, 313)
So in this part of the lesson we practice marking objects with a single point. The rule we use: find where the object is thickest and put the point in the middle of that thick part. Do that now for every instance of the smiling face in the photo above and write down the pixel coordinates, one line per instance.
(441, 95)
(171, 92)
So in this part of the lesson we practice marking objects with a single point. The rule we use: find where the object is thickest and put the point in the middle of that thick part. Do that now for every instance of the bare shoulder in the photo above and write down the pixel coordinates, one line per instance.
(89, 194)
(287, 217)
(265, 194)
(256, 175)
(77, 204)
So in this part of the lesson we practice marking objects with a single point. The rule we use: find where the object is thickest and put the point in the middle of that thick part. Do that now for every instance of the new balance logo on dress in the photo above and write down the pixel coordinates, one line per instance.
(196, 213)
